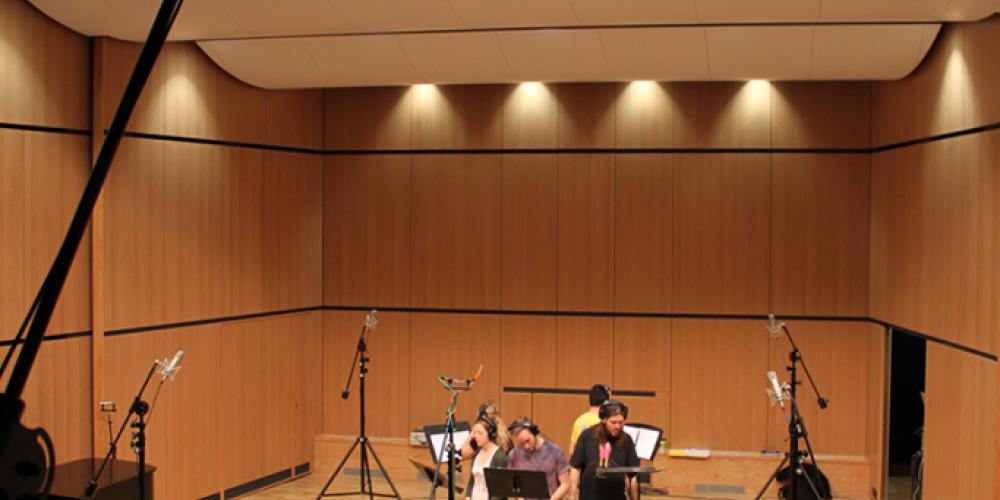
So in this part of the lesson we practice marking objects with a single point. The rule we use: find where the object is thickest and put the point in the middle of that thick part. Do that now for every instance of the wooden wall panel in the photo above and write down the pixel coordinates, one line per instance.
(820, 115)
(717, 376)
(554, 414)
(529, 236)
(960, 424)
(188, 95)
(197, 231)
(643, 245)
(515, 404)
(249, 387)
(722, 114)
(644, 116)
(587, 114)
(57, 396)
(721, 229)
(528, 350)
(46, 76)
(584, 356)
(642, 362)
(934, 219)
(366, 224)
(456, 231)
(457, 116)
(840, 360)
(531, 117)
(388, 384)
(368, 118)
(820, 217)
(41, 179)
(458, 344)
(586, 231)
(877, 396)
(952, 89)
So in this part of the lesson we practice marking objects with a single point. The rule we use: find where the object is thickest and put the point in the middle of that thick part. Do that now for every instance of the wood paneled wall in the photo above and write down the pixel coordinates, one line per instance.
(714, 222)
(934, 235)
(44, 82)
(196, 232)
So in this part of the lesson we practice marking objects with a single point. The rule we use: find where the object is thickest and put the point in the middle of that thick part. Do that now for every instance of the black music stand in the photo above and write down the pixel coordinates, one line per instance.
(427, 471)
(626, 472)
(516, 483)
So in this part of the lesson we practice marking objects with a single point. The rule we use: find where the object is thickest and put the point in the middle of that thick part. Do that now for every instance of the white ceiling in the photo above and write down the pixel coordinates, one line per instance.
(335, 43)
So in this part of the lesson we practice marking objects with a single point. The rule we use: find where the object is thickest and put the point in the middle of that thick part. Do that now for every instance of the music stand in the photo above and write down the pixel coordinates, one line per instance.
(516, 483)
(626, 472)
(437, 436)
(428, 472)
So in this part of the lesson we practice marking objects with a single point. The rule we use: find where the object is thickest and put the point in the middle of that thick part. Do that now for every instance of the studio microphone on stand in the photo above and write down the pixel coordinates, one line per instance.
(773, 326)
(170, 369)
(775, 391)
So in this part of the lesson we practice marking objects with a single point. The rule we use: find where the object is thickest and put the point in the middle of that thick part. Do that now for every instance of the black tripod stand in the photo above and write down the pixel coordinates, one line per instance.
(361, 359)
(796, 425)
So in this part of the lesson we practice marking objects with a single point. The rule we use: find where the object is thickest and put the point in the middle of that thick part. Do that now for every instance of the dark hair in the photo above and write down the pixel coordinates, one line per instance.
(599, 393)
(611, 408)
(491, 426)
(521, 423)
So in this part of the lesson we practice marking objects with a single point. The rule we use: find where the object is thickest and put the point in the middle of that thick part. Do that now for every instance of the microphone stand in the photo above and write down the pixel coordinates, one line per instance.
(361, 359)
(455, 387)
(140, 409)
(796, 426)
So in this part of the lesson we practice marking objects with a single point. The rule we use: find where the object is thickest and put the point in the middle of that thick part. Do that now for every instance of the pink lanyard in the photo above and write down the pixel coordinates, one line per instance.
(604, 450)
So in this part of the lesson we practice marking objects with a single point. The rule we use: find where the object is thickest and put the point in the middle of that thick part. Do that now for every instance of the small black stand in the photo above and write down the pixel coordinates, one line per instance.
(516, 483)
(796, 427)
(361, 360)
(140, 409)
(627, 472)
(455, 387)
(431, 475)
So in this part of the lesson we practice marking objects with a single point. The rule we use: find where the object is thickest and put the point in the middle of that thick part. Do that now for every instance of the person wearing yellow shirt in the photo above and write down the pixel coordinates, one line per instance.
(599, 393)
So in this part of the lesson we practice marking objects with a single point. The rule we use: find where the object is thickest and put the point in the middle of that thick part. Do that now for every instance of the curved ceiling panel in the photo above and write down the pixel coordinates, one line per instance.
(840, 52)
(337, 43)
(217, 19)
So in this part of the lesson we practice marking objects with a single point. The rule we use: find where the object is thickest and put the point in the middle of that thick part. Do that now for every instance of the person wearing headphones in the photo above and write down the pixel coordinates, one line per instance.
(489, 409)
(599, 393)
(487, 454)
(604, 444)
(533, 452)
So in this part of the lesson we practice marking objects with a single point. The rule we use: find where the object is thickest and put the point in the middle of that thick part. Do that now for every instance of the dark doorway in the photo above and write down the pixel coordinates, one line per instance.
(906, 411)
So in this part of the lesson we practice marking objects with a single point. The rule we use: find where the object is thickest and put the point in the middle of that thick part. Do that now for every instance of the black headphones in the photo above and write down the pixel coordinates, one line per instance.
(484, 408)
(491, 426)
(523, 423)
(611, 408)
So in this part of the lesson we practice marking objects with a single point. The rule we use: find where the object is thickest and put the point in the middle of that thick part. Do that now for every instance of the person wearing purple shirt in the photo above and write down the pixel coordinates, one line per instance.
(533, 452)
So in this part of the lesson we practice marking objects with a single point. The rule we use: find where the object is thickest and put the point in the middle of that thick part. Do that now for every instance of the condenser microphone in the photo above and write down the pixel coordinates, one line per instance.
(776, 390)
(170, 369)
(773, 326)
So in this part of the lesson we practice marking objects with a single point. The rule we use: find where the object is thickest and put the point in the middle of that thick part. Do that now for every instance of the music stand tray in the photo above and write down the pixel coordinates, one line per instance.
(516, 483)
(625, 472)
(428, 472)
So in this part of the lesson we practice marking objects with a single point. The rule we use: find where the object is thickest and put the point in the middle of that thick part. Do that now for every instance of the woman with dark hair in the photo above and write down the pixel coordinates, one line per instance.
(605, 444)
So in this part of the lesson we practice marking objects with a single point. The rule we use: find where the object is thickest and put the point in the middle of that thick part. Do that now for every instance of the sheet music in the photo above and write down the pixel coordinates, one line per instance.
(438, 440)
(646, 440)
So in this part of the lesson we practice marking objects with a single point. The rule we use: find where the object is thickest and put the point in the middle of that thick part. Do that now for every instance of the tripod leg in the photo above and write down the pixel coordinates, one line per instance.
(809, 480)
(385, 474)
(339, 467)
(773, 475)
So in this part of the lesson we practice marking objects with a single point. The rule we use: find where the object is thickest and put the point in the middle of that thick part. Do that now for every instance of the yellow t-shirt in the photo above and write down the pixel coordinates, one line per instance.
(588, 419)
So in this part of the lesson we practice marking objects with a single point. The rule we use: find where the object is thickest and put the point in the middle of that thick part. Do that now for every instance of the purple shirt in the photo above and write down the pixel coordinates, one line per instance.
(548, 459)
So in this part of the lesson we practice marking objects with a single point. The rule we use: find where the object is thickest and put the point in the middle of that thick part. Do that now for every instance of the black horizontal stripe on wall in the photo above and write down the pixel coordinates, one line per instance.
(556, 390)
(606, 314)
(516, 151)
(44, 128)
(938, 137)
(302, 469)
(207, 321)
(213, 496)
(54, 336)
(257, 484)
